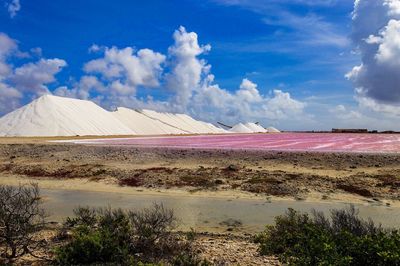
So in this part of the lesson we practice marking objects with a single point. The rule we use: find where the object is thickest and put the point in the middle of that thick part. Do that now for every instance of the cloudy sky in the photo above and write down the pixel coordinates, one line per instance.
(294, 64)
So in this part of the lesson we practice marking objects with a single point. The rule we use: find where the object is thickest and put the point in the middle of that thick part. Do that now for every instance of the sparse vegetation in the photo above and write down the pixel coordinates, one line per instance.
(21, 216)
(341, 239)
(105, 236)
(125, 237)
(93, 236)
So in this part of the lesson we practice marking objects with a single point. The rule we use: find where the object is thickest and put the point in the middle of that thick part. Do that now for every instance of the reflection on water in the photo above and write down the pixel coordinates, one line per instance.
(204, 214)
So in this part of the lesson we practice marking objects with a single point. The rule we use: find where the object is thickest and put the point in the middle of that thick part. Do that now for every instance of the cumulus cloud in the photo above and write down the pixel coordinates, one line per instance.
(13, 7)
(183, 75)
(9, 96)
(344, 114)
(7, 47)
(33, 77)
(123, 70)
(125, 67)
(187, 69)
(81, 89)
(113, 79)
(246, 103)
(28, 80)
(195, 91)
(376, 33)
(248, 91)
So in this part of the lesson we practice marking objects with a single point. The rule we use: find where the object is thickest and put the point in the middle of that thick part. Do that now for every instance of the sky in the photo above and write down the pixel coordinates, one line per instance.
(292, 64)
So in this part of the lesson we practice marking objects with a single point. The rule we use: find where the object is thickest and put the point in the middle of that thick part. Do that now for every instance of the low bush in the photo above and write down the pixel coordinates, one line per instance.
(108, 241)
(125, 238)
(189, 259)
(341, 239)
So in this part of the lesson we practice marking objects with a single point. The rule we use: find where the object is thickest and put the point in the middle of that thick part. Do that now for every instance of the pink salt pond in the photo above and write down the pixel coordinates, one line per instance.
(324, 142)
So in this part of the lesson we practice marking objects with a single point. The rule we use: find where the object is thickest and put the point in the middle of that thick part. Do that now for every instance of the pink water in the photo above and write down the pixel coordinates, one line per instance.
(325, 142)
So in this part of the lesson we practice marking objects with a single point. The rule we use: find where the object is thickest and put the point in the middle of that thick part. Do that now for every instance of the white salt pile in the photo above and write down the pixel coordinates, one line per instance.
(272, 130)
(240, 128)
(256, 128)
(250, 128)
(182, 122)
(58, 116)
(144, 125)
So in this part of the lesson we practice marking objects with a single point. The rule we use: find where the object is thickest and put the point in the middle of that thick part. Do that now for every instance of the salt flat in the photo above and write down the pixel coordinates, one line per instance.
(324, 142)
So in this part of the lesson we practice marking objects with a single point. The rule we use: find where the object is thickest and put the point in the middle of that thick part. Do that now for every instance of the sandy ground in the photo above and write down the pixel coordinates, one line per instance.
(298, 175)
(217, 249)
(213, 173)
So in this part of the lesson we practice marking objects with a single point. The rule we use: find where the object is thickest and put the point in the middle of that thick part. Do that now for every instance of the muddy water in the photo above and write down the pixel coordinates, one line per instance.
(205, 214)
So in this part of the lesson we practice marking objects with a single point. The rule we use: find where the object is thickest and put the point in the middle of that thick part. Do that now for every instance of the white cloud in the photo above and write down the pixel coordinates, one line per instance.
(282, 106)
(244, 104)
(81, 89)
(33, 77)
(27, 81)
(389, 44)
(376, 33)
(96, 48)
(344, 114)
(123, 70)
(339, 108)
(187, 69)
(376, 106)
(195, 91)
(115, 77)
(248, 91)
(9, 97)
(7, 47)
(13, 7)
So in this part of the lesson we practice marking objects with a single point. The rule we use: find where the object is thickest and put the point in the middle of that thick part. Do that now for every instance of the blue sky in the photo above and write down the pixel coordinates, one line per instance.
(293, 54)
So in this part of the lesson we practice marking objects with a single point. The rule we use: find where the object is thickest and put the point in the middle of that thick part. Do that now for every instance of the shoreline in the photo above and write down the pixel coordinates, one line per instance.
(85, 185)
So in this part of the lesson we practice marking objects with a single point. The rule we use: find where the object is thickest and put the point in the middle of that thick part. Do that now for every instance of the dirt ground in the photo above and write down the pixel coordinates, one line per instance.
(219, 249)
(299, 175)
(284, 174)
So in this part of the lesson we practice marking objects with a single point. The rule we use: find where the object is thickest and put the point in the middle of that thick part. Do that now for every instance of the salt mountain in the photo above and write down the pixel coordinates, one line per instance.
(58, 116)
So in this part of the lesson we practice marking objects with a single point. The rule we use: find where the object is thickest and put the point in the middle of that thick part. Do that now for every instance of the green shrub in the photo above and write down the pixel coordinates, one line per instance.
(298, 241)
(342, 239)
(123, 237)
(89, 246)
(152, 232)
(189, 259)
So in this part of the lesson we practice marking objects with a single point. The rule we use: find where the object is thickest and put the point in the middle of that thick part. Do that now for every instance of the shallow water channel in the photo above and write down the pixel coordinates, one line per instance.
(205, 213)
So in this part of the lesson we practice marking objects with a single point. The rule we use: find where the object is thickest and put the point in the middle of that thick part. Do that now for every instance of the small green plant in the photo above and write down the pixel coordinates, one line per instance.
(189, 259)
(191, 235)
(123, 237)
(341, 239)
(101, 236)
